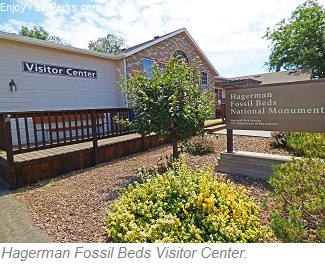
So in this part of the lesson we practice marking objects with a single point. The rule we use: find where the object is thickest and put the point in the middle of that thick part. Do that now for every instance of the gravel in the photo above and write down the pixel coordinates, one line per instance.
(72, 208)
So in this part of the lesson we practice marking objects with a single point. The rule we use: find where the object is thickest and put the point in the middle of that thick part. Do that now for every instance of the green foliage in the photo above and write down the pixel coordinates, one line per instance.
(200, 144)
(278, 139)
(171, 104)
(107, 44)
(299, 192)
(299, 42)
(183, 205)
(300, 143)
(307, 144)
(42, 34)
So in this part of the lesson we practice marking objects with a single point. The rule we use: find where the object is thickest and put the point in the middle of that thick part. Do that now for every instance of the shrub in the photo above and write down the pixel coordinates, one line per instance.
(307, 144)
(199, 145)
(278, 139)
(184, 205)
(299, 192)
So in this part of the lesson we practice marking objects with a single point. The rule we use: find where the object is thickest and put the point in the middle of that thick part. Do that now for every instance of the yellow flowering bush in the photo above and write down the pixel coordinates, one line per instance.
(184, 205)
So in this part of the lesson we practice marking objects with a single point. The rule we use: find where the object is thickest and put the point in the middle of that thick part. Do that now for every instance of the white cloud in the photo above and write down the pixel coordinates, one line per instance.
(229, 32)
(12, 25)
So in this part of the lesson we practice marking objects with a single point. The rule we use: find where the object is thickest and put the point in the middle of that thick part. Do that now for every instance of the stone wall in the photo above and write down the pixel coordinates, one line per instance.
(164, 50)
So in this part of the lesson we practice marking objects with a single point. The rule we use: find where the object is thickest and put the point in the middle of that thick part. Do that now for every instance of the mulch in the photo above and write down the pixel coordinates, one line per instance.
(72, 208)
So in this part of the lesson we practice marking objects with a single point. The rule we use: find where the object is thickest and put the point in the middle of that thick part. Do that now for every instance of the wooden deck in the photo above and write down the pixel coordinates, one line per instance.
(34, 166)
(38, 145)
(43, 144)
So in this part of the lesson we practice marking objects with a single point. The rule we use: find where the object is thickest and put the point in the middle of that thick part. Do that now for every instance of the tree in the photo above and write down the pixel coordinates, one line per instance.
(171, 103)
(42, 34)
(108, 44)
(299, 42)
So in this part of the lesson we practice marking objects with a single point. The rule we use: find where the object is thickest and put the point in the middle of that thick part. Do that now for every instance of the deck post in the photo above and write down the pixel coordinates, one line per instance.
(11, 174)
(143, 143)
(95, 140)
(2, 132)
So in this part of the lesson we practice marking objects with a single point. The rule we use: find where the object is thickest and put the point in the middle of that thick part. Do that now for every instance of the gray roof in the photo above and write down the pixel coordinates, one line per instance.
(239, 82)
(152, 41)
(279, 77)
(49, 44)
(132, 50)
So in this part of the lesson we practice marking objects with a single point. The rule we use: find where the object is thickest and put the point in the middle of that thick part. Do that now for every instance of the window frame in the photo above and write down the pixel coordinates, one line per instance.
(148, 72)
(218, 92)
(204, 78)
(183, 55)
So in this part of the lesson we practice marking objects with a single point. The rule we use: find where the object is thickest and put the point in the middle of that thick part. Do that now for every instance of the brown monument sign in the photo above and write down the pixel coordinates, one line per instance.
(295, 107)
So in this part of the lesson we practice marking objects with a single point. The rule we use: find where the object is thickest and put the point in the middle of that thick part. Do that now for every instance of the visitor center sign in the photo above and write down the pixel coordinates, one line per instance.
(295, 107)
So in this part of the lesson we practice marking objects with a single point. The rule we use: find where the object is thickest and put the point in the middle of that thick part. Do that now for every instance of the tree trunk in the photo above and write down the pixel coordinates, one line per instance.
(175, 149)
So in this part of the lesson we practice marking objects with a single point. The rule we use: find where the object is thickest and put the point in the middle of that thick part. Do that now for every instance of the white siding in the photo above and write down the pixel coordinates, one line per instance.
(52, 92)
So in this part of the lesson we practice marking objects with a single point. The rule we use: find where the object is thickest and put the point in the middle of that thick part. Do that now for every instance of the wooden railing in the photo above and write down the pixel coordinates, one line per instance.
(37, 130)
(21, 133)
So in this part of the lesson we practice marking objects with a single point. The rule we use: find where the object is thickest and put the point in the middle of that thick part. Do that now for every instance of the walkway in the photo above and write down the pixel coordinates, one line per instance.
(264, 134)
(16, 225)
(217, 123)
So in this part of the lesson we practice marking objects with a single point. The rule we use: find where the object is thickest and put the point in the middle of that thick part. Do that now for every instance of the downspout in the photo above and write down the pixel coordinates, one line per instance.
(125, 76)
(122, 72)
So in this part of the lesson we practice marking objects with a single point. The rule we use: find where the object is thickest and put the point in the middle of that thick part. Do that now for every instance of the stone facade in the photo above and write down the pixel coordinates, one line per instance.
(163, 50)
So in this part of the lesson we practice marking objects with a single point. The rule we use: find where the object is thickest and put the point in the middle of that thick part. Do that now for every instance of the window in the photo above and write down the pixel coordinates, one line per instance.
(204, 78)
(148, 67)
(182, 56)
(218, 93)
(161, 65)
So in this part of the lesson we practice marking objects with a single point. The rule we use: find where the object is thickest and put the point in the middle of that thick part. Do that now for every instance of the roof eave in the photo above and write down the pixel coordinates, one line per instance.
(48, 44)
(153, 42)
(202, 53)
(160, 39)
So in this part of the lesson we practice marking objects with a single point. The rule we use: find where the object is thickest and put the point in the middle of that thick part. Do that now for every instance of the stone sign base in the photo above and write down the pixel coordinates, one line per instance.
(258, 165)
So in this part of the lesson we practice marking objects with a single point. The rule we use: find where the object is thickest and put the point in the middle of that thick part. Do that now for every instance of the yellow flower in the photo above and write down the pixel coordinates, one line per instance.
(184, 210)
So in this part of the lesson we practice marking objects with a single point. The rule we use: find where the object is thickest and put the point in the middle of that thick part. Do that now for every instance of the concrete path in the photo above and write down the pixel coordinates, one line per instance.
(16, 225)
(265, 134)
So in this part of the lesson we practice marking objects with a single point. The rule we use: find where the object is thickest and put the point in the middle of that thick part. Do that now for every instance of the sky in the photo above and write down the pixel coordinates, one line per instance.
(229, 32)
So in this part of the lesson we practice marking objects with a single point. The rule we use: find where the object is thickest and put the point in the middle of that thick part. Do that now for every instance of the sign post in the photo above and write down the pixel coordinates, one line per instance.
(230, 141)
(288, 107)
